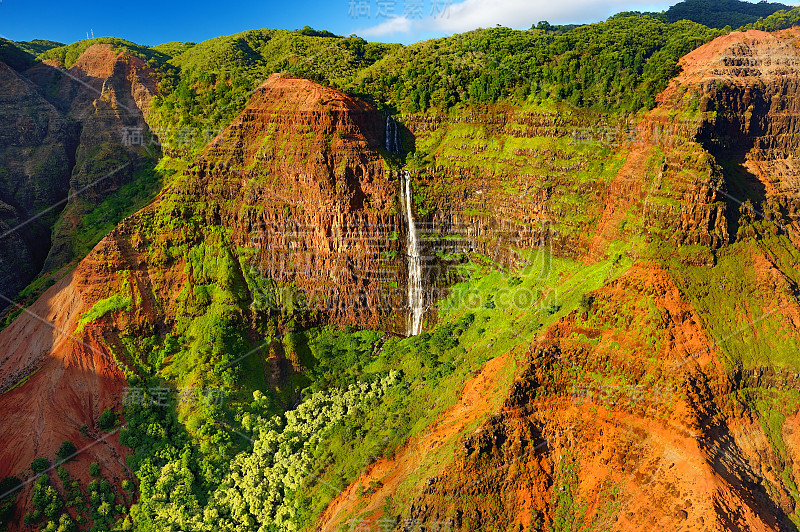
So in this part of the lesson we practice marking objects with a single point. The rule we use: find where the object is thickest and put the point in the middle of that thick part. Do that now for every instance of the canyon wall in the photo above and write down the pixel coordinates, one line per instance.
(639, 410)
(77, 135)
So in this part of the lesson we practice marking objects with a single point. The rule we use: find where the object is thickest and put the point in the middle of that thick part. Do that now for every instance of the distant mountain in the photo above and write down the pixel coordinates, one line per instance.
(21, 55)
(721, 13)
(38, 46)
(14, 56)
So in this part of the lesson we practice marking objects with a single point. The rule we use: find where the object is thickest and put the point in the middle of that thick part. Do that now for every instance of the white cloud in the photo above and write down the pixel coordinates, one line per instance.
(471, 14)
(391, 26)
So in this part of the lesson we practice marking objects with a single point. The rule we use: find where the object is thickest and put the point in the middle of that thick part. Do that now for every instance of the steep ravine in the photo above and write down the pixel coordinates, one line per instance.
(73, 142)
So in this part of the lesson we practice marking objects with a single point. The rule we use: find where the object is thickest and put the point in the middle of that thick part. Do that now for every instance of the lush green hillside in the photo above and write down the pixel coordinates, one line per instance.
(212, 81)
(721, 13)
(777, 21)
(617, 65)
(38, 46)
(14, 56)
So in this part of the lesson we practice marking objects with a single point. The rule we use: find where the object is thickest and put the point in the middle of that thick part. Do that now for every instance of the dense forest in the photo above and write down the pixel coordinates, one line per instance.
(721, 13)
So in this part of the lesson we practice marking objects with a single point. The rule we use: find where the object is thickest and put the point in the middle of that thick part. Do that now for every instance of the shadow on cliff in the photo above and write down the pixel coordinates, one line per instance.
(95, 161)
(730, 139)
(738, 474)
(408, 141)
(724, 455)
(742, 186)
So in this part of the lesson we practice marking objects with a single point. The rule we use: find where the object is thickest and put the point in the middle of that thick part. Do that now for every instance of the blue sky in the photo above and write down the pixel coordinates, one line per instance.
(153, 22)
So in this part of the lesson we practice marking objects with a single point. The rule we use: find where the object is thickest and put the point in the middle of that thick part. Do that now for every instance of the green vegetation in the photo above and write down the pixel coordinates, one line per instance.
(568, 513)
(744, 321)
(45, 501)
(37, 46)
(95, 507)
(111, 304)
(721, 13)
(780, 20)
(14, 56)
(71, 507)
(40, 464)
(107, 420)
(617, 65)
(307, 407)
(211, 82)
(67, 450)
(261, 459)
(9, 488)
(100, 219)
(772, 407)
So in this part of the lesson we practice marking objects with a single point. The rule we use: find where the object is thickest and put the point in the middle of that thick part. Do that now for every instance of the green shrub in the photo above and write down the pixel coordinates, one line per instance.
(45, 498)
(103, 307)
(40, 464)
(9, 487)
(107, 420)
(67, 450)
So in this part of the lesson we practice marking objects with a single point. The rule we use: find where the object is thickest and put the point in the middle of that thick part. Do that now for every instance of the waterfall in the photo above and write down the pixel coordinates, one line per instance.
(415, 298)
(392, 136)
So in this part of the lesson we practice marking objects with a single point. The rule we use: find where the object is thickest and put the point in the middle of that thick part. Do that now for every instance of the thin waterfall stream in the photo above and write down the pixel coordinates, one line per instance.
(416, 303)
(415, 295)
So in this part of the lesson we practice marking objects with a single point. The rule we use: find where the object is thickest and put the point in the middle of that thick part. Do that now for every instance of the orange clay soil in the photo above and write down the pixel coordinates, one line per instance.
(478, 400)
(70, 382)
(673, 459)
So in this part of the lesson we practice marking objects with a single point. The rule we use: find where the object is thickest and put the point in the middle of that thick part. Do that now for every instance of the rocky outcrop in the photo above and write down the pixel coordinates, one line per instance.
(73, 137)
(298, 177)
(37, 149)
(107, 92)
(618, 421)
(719, 149)
(742, 89)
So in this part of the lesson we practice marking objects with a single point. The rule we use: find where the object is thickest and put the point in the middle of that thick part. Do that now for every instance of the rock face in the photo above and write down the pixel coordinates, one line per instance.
(107, 92)
(54, 387)
(485, 199)
(71, 381)
(737, 97)
(299, 178)
(68, 147)
(722, 139)
(644, 460)
(37, 149)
